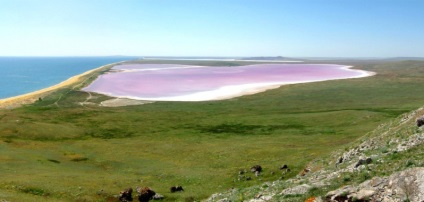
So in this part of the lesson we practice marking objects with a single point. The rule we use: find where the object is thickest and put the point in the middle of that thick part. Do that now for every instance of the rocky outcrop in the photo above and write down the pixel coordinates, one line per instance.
(410, 142)
(145, 194)
(126, 195)
(283, 167)
(420, 121)
(158, 197)
(384, 150)
(362, 161)
(300, 189)
(256, 168)
(407, 185)
(176, 189)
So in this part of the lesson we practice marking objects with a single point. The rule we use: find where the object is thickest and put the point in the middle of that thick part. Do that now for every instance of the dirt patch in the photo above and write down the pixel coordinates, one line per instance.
(120, 102)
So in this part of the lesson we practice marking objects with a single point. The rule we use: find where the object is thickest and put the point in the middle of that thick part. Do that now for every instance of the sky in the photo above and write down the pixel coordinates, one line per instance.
(291, 28)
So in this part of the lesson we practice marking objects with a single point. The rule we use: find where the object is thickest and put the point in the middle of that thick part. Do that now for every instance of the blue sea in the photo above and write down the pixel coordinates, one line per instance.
(20, 75)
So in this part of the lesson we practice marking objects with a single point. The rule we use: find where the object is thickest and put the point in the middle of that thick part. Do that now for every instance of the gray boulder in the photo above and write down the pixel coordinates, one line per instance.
(365, 161)
(407, 185)
(420, 121)
(126, 195)
(158, 197)
(255, 168)
(145, 194)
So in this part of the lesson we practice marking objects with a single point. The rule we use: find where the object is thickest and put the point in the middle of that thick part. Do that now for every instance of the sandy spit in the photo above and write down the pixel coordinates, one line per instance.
(17, 101)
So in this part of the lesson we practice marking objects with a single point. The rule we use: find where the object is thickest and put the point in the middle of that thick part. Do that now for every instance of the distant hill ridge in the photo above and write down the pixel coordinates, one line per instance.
(404, 58)
(267, 58)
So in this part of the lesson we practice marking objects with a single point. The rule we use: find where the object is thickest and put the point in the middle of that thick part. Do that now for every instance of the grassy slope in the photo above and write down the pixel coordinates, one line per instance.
(381, 144)
(68, 152)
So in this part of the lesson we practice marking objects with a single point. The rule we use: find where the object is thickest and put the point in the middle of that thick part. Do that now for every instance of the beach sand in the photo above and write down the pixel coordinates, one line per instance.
(17, 101)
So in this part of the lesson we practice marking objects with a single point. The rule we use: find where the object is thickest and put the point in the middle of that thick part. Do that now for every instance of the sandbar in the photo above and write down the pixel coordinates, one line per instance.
(28, 98)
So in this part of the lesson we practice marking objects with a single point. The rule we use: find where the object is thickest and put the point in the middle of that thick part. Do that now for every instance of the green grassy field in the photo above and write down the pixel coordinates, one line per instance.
(58, 150)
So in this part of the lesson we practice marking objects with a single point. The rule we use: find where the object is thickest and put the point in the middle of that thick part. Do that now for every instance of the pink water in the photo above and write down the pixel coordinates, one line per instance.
(194, 83)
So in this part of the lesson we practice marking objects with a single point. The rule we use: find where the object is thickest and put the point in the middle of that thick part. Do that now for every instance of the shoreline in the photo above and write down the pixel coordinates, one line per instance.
(230, 60)
(233, 91)
(264, 87)
(229, 91)
(29, 98)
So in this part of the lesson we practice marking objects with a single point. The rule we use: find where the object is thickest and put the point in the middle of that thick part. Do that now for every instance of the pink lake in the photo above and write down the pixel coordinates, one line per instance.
(168, 82)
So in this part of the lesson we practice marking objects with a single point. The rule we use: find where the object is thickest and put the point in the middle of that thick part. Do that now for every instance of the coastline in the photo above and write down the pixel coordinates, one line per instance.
(233, 91)
(264, 87)
(29, 98)
(231, 60)
(223, 93)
